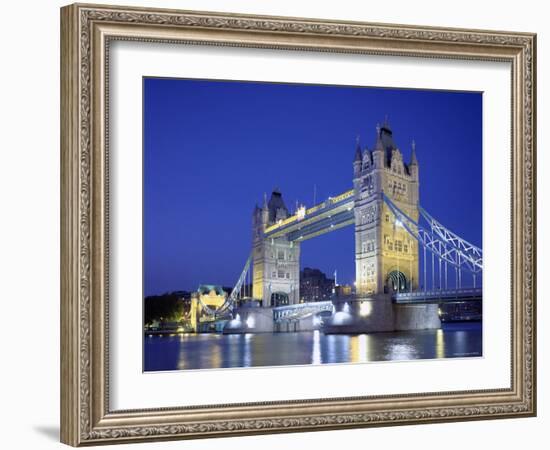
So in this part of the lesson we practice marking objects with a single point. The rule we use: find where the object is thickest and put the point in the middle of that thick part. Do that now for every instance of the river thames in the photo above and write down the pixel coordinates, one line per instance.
(217, 351)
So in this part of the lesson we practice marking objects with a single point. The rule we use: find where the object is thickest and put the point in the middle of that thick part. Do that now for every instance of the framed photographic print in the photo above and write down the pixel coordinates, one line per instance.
(275, 224)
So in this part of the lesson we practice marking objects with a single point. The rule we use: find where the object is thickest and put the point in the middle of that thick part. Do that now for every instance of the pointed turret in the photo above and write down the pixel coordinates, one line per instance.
(413, 166)
(358, 154)
(265, 211)
(379, 145)
(357, 160)
(260, 216)
(385, 135)
(378, 151)
(413, 154)
(386, 124)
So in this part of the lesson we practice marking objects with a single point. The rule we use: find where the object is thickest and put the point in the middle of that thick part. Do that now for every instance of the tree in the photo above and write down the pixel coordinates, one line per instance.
(165, 307)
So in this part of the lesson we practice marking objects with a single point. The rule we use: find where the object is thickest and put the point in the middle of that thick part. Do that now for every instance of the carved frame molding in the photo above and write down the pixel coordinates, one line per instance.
(86, 31)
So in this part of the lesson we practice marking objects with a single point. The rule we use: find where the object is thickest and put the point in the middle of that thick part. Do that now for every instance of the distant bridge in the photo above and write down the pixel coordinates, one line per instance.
(438, 296)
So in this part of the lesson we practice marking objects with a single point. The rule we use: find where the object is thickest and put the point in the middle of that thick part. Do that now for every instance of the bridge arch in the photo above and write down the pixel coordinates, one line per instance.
(279, 299)
(396, 281)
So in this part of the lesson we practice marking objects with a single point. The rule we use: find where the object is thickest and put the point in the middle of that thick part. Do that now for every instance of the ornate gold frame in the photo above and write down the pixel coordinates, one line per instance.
(86, 31)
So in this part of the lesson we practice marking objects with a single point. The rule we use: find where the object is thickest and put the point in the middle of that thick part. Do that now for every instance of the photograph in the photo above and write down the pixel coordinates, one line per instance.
(292, 220)
(291, 224)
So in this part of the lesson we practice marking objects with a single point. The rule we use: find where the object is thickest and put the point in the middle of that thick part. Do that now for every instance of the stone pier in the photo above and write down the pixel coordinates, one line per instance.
(377, 313)
(251, 318)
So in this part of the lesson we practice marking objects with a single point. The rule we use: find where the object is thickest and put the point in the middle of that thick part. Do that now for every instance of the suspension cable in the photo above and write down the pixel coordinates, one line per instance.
(447, 245)
(230, 300)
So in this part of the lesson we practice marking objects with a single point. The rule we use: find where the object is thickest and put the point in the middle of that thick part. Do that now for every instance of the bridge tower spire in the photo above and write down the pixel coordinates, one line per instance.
(357, 160)
(413, 166)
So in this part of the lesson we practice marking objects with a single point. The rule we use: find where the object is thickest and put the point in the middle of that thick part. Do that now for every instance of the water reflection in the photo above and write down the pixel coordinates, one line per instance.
(316, 352)
(354, 350)
(359, 348)
(439, 344)
(247, 358)
(211, 351)
(401, 352)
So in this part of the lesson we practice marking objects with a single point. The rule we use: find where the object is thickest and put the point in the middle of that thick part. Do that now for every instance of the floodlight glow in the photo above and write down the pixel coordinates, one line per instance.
(365, 309)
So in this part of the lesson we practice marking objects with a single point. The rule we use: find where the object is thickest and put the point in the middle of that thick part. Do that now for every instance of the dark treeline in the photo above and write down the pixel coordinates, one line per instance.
(166, 307)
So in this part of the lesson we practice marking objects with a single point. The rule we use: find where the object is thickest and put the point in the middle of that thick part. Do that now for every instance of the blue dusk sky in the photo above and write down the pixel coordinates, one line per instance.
(213, 148)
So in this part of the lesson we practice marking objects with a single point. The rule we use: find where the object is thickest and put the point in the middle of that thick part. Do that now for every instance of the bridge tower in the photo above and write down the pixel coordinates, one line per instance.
(386, 256)
(276, 261)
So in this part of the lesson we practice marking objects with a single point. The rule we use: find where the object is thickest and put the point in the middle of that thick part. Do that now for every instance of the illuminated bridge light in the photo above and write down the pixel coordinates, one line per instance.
(365, 309)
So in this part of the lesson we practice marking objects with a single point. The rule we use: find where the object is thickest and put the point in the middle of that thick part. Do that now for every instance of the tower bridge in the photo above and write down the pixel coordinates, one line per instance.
(406, 262)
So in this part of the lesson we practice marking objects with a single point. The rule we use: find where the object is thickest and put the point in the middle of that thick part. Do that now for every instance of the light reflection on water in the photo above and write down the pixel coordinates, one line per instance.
(214, 351)
(316, 352)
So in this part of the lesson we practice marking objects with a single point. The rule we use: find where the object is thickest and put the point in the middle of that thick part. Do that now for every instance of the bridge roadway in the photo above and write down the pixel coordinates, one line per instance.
(334, 213)
(438, 296)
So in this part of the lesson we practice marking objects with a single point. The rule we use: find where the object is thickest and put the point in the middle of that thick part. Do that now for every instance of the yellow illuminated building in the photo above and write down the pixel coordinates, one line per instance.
(386, 256)
(209, 295)
(276, 261)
